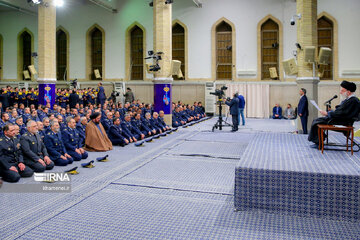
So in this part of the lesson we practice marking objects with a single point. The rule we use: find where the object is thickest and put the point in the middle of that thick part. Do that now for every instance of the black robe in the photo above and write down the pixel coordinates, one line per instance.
(344, 114)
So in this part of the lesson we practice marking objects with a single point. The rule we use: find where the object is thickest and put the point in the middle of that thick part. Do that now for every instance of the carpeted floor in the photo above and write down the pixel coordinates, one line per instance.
(177, 187)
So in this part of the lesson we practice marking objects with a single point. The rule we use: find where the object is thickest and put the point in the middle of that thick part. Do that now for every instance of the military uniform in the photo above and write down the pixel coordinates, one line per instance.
(34, 149)
(81, 130)
(72, 141)
(117, 135)
(130, 130)
(107, 123)
(11, 155)
(56, 148)
(141, 126)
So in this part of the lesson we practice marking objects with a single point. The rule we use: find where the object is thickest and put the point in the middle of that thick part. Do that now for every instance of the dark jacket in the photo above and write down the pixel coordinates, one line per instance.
(303, 106)
(73, 100)
(234, 106)
(10, 152)
(32, 147)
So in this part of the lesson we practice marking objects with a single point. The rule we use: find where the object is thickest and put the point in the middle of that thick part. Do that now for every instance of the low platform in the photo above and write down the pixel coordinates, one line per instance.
(280, 173)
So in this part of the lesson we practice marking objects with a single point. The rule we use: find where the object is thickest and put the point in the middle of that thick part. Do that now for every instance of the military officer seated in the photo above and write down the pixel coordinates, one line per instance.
(161, 120)
(146, 121)
(137, 122)
(33, 149)
(12, 165)
(117, 135)
(55, 146)
(80, 127)
(132, 131)
(72, 141)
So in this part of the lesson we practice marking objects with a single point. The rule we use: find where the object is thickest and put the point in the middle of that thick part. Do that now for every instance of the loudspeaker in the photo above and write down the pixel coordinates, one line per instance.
(26, 74)
(273, 73)
(324, 55)
(97, 73)
(290, 66)
(309, 54)
(175, 67)
(32, 69)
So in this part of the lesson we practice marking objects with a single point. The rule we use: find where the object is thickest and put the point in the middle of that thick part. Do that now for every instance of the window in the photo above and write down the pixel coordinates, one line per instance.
(224, 51)
(178, 46)
(325, 39)
(61, 55)
(137, 56)
(269, 48)
(25, 45)
(96, 51)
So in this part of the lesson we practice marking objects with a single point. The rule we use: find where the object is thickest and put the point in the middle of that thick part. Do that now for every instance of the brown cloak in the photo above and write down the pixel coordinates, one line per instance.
(94, 140)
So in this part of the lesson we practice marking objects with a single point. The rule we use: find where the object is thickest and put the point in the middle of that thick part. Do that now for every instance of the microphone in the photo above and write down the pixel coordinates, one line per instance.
(331, 99)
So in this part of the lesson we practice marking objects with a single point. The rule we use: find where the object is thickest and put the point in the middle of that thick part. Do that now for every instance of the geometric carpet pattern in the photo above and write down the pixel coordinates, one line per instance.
(177, 187)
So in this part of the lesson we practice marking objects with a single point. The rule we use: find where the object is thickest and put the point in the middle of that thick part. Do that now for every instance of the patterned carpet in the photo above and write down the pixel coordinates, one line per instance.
(177, 187)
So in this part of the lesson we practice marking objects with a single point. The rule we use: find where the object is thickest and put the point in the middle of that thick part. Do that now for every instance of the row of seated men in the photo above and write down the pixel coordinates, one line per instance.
(57, 143)
(9, 96)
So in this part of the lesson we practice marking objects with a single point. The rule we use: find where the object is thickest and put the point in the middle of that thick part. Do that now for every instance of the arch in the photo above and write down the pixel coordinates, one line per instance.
(90, 57)
(259, 45)
(24, 60)
(214, 54)
(335, 62)
(62, 71)
(184, 64)
(1, 57)
(128, 46)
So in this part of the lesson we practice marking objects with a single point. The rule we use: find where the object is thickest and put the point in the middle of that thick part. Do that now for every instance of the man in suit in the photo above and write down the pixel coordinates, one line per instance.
(277, 112)
(101, 97)
(72, 141)
(344, 114)
(12, 165)
(234, 111)
(73, 99)
(303, 110)
(33, 149)
(55, 146)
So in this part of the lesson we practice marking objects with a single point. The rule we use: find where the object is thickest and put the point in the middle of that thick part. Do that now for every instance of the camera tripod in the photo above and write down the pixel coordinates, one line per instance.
(220, 122)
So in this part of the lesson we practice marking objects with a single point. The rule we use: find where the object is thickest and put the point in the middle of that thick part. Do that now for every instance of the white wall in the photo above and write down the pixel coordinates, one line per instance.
(245, 15)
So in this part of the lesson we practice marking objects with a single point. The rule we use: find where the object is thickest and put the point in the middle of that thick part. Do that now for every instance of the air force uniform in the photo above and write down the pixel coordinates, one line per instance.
(72, 140)
(56, 148)
(34, 149)
(11, 155)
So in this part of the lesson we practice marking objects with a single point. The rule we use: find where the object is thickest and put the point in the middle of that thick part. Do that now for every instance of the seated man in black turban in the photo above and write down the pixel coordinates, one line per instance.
(344, 113)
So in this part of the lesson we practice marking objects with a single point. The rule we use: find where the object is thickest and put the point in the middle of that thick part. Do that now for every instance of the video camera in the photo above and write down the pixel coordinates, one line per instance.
(220, 92)
(74, 83)
(157, 57)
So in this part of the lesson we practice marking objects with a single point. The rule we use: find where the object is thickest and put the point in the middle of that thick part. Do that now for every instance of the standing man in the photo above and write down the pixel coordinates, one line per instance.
(101, 97)
(241, 109)
(234, 111)
(73, 99)
(129, 95)
(303, 110)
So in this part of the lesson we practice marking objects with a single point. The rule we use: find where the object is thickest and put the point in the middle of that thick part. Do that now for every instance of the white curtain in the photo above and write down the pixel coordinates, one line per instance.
(256, 97)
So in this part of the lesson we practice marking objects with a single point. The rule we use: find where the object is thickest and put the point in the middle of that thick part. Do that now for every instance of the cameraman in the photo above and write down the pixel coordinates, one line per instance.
(234, 111)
